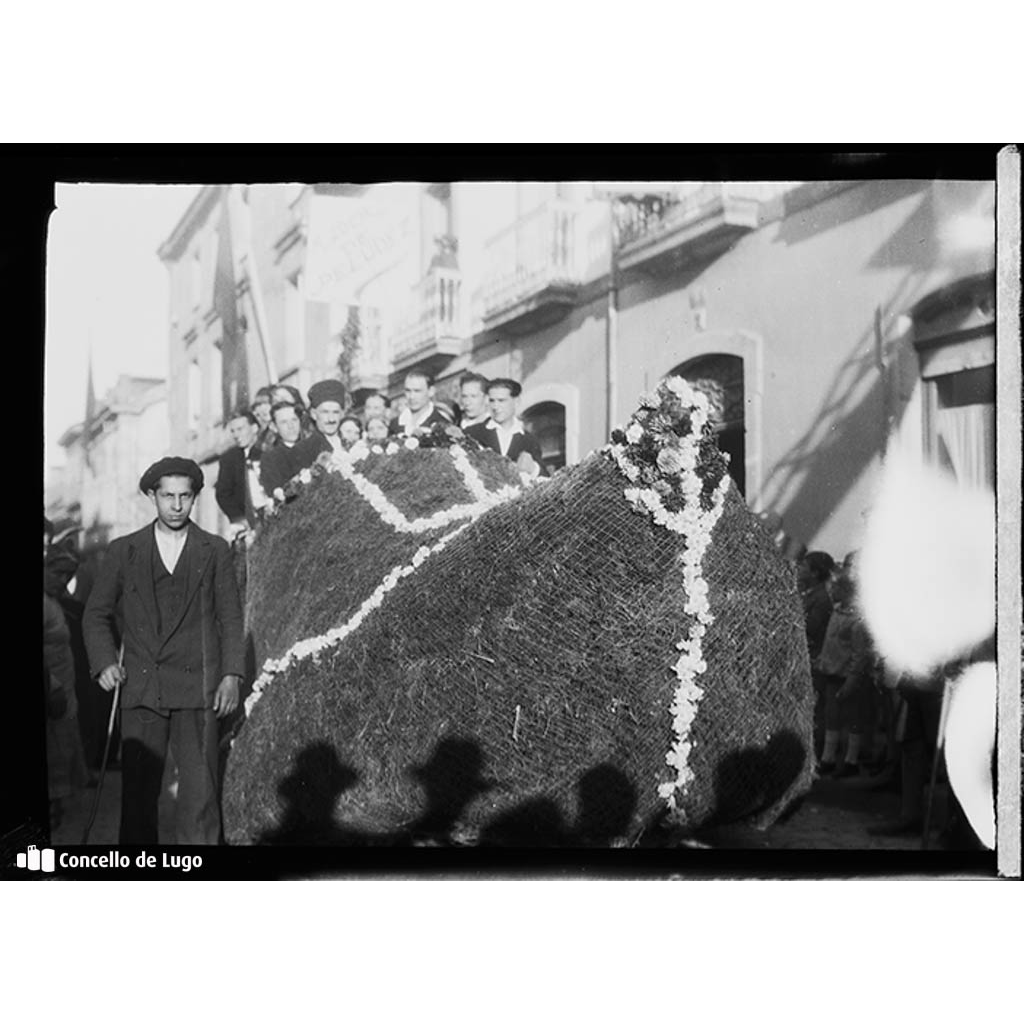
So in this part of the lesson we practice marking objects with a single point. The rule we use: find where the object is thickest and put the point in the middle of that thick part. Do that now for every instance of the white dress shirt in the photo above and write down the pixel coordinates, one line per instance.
(408, 421)
(170, 544)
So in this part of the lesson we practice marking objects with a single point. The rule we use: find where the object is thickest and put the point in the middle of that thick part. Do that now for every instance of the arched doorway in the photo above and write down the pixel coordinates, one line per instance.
(720, 378)
(546, 421)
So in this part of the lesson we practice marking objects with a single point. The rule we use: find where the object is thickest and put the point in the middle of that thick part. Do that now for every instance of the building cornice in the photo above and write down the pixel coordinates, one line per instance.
(191, 220)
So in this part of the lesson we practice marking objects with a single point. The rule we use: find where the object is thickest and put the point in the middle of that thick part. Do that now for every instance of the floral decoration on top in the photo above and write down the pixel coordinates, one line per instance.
(667, 439)
(669, 450)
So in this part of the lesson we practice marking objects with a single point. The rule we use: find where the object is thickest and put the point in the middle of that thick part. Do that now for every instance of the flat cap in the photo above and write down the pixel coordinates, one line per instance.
(326, 391)
(514, 387)
(173, 465)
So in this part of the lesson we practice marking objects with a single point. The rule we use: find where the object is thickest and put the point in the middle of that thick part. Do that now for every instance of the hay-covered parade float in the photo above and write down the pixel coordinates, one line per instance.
(445, 653)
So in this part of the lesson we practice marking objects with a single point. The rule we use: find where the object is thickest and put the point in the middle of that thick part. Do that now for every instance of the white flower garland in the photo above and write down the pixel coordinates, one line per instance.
(678, 465)
(313, 647)
(393, 516)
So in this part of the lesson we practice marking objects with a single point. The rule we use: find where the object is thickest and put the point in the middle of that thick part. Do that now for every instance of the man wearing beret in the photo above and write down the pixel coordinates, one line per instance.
(169, 591)
(504, 431)
(327, 406)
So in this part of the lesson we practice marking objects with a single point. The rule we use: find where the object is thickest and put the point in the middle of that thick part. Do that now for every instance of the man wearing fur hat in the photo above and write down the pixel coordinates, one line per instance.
(327, 406)
(169, 591)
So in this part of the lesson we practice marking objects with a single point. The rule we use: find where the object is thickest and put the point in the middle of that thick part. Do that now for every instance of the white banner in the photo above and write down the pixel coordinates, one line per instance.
(353, 240)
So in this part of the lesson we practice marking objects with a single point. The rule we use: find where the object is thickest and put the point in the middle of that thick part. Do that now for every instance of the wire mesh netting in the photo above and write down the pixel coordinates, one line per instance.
(516, 688)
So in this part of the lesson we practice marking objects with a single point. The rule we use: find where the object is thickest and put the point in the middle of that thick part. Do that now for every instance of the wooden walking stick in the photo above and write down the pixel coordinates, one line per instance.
(106, 749)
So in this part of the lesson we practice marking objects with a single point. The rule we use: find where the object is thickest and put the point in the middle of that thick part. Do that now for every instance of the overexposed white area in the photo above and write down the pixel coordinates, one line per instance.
(106, 293)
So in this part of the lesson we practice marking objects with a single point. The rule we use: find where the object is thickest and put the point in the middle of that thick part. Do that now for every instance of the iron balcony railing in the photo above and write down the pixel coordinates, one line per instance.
(661, 213)
(433, 318)
(544, 248)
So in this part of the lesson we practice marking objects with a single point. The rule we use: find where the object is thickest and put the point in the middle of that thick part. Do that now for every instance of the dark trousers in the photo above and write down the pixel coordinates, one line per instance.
(191, 734)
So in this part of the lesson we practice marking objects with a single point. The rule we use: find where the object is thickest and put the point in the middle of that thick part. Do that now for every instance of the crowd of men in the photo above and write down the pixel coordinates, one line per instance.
(279, 434)
(161, 627)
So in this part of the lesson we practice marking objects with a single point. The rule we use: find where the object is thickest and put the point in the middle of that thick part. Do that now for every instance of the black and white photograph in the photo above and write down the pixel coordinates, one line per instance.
(640, 527)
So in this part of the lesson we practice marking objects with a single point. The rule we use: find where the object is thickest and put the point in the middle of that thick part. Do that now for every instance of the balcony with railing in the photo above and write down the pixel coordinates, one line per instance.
(431, 330)
(661, 232)
(535, 267)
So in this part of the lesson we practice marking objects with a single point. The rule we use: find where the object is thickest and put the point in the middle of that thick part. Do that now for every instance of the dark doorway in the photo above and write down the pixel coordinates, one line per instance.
(720, 378)
(546, 421)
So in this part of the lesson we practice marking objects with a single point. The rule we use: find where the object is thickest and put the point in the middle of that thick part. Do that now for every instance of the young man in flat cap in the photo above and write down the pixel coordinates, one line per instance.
(169, 591)
(327, 406)
(504, 431)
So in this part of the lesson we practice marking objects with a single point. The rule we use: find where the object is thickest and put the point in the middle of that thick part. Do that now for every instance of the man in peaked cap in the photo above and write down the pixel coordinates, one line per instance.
(327, 406)
(169, 591)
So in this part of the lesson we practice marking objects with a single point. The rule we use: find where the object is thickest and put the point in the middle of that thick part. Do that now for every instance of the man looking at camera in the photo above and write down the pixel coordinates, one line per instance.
(169, 591)
(327, 406)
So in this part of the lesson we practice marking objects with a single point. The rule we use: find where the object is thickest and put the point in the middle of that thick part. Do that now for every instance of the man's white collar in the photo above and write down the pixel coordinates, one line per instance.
(408, 418)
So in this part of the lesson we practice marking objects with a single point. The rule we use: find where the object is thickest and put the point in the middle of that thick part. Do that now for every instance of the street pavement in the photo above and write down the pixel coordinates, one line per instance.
(834, 816)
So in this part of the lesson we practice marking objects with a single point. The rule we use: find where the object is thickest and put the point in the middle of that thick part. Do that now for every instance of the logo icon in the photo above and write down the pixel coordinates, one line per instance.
(36, 859)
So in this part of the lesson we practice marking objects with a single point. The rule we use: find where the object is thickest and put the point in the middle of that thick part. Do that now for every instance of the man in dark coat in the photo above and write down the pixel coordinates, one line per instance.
(278, 463)
(327, 406)
(420, 412)
(172, 587)
(504, 431)
(237, 487)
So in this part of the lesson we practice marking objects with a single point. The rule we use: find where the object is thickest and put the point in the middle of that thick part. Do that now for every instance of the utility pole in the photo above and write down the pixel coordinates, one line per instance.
(611, 324)
(252, 275)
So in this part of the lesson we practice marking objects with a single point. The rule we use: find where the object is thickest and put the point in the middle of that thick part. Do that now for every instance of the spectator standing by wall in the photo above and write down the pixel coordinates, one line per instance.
(65, 759)
(813, 572)
(845, 666)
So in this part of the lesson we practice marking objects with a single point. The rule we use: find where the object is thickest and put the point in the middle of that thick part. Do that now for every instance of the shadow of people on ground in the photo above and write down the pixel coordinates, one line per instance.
(452, 778)
(310, 793)
(751, 781)
(608, 799)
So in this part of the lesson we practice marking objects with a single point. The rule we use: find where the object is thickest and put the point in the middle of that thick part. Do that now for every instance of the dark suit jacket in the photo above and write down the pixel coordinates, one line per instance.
(306, 451)
(232, 487)
(521, 442)
(182, 667)
(278, 465)
(436, 416)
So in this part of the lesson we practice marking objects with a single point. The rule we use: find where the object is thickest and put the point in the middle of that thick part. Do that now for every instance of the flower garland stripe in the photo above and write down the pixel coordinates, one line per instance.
(313, 647)
(677, 461)
(394, 518)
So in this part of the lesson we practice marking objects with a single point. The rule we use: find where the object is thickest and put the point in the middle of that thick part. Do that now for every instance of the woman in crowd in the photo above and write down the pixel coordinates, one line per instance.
(813, 572)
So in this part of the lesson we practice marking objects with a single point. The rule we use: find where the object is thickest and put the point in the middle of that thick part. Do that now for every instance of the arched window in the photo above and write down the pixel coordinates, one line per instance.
(720, 378)
(546, 421)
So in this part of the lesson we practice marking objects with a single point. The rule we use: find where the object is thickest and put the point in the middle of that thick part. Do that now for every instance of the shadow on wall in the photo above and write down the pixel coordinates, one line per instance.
(860, 199)
(856, 414)
(451, 779)
(864, 400)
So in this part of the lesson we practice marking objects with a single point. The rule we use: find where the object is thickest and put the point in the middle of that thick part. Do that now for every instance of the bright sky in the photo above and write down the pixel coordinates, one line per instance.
(106, 291)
